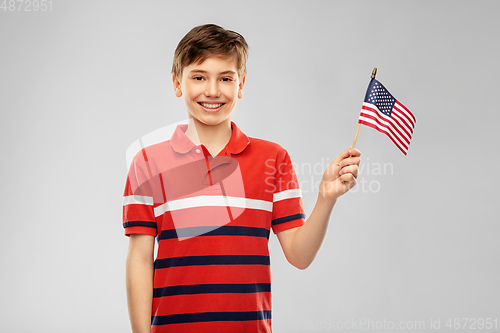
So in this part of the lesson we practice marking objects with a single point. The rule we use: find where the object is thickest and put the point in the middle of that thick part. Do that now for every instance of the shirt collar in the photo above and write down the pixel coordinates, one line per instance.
(182, 144)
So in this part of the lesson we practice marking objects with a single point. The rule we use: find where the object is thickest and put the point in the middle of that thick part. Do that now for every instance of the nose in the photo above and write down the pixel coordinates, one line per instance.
(212, 89)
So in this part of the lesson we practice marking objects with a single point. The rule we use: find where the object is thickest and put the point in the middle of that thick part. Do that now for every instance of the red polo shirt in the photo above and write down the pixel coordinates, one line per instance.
(212, 217)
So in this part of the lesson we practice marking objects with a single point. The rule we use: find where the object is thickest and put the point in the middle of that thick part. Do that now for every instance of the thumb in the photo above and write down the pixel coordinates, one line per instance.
(342, 155)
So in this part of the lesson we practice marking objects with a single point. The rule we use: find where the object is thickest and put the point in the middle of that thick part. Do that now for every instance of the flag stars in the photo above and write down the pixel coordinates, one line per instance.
(379, 104)
(379, 96)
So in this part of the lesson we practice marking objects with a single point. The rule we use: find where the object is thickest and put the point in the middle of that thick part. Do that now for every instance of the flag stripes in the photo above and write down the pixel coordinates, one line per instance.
(387, 115)
(398, 127)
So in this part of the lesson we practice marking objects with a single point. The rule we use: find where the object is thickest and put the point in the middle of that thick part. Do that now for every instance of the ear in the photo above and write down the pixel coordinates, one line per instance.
(177, 86)
(240, 88)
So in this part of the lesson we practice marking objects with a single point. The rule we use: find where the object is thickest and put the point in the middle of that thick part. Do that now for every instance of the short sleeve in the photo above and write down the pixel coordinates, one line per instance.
(138, 203)
(288, 208)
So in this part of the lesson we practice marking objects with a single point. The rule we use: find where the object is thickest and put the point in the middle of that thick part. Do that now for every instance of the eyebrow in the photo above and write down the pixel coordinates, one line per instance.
(205, 72)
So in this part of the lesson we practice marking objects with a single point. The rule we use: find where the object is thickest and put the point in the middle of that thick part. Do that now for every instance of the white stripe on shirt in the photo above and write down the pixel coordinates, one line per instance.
(287, 194)
(214, 201)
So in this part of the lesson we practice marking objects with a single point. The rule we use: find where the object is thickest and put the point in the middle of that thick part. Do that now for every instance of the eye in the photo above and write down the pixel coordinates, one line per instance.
(227, 79)
(198, 78)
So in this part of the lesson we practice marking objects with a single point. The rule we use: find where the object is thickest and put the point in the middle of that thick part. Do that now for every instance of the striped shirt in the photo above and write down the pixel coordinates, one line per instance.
(212, 217)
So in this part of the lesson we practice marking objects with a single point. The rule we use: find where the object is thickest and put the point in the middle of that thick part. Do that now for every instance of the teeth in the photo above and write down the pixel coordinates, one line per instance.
(211, 106)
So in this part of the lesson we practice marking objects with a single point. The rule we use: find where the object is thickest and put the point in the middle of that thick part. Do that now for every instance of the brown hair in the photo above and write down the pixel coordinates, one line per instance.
(210, 40)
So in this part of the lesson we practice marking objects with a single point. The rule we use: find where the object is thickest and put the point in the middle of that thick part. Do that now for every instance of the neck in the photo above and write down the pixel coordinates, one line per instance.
(213, 137)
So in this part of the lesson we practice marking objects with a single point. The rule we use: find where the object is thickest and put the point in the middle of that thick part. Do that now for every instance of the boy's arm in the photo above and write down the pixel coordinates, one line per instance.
(301, 244)
(139, 271)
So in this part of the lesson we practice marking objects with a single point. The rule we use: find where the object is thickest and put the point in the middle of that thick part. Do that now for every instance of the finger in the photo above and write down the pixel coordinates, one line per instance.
(349, 161)
(354, 152)
(353, 169)
(348, 180)
(342, 155)
(347, 177)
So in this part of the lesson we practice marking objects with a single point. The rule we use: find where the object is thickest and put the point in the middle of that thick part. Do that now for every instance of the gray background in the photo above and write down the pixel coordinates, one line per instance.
(80, 83)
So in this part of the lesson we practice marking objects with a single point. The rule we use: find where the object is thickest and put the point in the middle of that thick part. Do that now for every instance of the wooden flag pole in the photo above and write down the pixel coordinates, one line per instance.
(357, 131)
(356, 137)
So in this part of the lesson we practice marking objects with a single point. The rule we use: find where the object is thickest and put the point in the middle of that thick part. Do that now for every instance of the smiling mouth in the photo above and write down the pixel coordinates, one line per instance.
(211, 105)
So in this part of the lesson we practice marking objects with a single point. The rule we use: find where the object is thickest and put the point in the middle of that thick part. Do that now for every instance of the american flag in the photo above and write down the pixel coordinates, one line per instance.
(384, 113)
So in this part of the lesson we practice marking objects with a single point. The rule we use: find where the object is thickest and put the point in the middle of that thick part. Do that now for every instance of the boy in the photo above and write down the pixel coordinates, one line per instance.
(210, 196)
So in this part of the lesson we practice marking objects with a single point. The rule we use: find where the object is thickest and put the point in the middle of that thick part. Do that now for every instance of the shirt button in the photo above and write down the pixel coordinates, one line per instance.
(198, 151)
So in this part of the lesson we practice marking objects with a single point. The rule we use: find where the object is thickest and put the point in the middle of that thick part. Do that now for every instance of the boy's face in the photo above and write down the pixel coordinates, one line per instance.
(210, 89)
